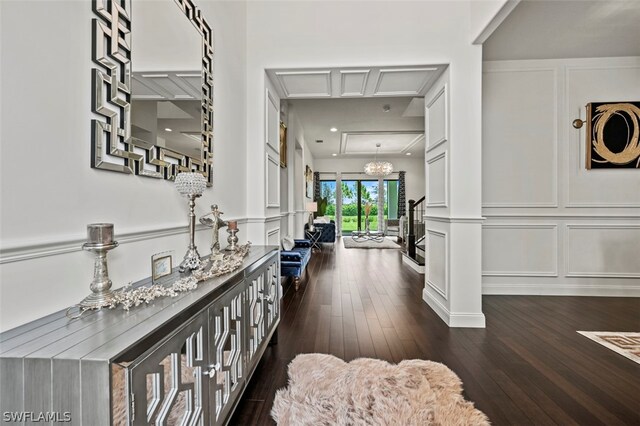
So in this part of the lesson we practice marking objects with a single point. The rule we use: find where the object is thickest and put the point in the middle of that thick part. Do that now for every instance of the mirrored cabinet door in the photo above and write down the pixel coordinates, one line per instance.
(272, 296)
(226, 356)
(168, 385)
(255, 316)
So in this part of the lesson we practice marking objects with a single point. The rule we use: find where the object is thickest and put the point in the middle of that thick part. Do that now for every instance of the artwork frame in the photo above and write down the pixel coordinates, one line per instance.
(283, 145)
(161, 265)
(612, 135)
(308, 177)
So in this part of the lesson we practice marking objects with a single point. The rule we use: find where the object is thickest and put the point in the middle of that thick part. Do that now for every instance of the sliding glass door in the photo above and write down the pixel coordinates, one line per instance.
(349, 206)
(368, 205)
(328, 191)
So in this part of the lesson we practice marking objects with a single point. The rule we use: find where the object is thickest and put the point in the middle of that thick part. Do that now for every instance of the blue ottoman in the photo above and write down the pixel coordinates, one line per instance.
(293, 262)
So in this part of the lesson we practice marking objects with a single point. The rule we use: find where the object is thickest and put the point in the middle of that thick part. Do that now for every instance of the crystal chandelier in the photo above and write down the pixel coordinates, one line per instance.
(378, 168)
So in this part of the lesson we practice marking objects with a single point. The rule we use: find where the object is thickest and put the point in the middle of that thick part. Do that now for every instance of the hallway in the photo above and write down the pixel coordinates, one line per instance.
(529, 366)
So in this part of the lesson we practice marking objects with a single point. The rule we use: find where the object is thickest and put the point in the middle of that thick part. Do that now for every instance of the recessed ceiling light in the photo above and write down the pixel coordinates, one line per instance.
(333, 129)
(334, 154)
(168, 130)
(408, 153)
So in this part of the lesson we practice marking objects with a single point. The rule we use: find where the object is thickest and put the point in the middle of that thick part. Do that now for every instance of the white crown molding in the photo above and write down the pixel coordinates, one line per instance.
(495, 22)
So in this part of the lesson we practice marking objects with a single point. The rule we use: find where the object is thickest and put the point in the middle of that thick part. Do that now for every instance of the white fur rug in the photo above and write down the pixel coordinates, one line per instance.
(324, 390)
(386, 243)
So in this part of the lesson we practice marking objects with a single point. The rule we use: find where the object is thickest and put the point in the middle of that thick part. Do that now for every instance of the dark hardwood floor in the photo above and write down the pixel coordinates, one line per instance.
(528, 367)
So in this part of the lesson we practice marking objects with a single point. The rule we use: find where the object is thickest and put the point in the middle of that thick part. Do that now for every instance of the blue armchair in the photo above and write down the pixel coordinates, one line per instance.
(328, 231)
(293, 262)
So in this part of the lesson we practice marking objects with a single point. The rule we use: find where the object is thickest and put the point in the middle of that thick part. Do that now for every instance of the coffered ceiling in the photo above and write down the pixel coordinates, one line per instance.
(360, 124)
(354, 82)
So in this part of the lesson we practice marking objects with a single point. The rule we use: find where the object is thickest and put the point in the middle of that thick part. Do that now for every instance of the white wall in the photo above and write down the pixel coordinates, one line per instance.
(414, 167)
(283, 34)
(50, 193)
(552, 226)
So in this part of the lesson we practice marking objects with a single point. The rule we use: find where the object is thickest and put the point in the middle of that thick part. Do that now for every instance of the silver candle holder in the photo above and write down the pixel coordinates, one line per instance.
(99, 241)
(191, 186)
(232, 239)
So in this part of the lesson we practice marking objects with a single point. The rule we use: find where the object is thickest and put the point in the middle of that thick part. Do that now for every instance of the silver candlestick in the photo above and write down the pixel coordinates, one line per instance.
(232, 239)
(191, 185)
(100, 241)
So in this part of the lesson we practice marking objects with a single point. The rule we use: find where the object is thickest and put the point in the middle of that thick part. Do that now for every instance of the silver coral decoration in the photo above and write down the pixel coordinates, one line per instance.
(131, 297)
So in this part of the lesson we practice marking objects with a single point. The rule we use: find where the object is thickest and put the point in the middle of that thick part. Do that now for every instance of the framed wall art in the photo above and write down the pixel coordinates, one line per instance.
(283, 145)
(613, 132)
(308, 178)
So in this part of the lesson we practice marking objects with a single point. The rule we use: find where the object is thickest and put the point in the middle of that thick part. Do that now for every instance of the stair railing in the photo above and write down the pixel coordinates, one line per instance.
(416, 225)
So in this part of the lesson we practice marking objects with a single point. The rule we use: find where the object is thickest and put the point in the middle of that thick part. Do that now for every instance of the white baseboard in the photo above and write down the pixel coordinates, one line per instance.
(413, 265)
(631, 290)
(455, 319)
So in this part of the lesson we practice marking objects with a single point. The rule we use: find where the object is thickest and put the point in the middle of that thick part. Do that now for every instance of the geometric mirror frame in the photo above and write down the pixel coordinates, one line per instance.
(112, 146)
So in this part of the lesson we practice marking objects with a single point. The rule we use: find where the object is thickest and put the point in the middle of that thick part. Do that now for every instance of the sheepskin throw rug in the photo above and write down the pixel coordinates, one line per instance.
(325, 390)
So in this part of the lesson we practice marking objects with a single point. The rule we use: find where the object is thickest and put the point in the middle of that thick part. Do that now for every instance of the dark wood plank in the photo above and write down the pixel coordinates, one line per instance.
(529, 366)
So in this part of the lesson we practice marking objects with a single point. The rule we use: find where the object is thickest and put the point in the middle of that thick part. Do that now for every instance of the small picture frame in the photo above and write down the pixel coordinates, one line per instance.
(161, 265)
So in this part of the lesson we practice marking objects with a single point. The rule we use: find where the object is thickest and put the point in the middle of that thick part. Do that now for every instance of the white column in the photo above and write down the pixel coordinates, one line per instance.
(453, 277)
(339, 203)
(381, 196)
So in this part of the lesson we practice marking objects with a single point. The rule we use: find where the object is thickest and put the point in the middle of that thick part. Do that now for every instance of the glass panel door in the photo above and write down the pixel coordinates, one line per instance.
(391, 199)
(328, 191)
(349, 206)
(368, 203)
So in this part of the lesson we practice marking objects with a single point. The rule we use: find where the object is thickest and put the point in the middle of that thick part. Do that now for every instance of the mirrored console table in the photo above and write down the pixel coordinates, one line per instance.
(182, 360)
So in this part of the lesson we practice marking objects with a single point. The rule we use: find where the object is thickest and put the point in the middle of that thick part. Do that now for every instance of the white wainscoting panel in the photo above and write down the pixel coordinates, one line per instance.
(615, 81)
(438, 262)
(272, 181)
(272, 121)
(603, 251)
(272, 237)
(437, 119)
(519, 140)
(438, 181)
(520, 250)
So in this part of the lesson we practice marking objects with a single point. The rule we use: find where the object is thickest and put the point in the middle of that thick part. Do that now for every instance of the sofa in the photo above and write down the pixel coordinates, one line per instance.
(328, 231)
(293, 262)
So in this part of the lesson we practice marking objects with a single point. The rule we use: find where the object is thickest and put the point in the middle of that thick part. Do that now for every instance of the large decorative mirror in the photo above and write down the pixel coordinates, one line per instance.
(152, 88)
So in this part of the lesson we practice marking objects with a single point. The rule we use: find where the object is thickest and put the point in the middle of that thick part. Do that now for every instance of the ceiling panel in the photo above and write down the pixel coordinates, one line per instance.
(305, 84)
(353, 82)
(408, 82)
(359, 143)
